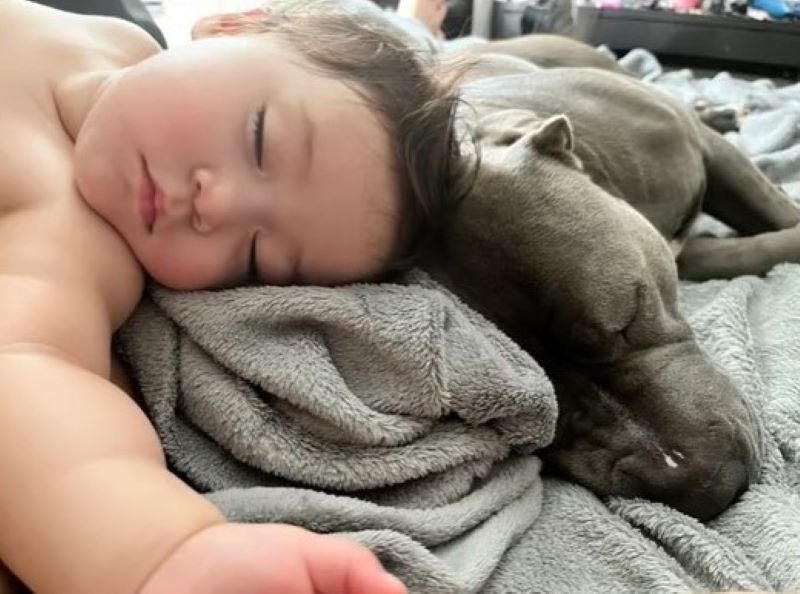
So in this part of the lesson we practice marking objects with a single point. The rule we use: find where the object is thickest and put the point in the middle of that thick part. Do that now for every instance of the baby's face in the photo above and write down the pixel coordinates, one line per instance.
(231, 161)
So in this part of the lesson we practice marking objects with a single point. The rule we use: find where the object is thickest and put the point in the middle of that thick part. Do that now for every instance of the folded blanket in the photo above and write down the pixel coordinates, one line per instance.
(408, 413)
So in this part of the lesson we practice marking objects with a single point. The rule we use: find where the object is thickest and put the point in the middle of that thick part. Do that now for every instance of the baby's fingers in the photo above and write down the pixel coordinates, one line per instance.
(339, 566)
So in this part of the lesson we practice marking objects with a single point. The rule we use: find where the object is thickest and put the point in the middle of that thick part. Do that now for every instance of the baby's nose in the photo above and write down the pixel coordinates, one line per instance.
(212, 201)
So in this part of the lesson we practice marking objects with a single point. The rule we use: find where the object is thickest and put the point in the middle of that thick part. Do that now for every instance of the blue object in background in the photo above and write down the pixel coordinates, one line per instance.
(777, 9)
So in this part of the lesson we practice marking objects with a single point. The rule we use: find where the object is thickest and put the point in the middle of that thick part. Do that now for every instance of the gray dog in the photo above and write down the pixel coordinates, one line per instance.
(587, 189)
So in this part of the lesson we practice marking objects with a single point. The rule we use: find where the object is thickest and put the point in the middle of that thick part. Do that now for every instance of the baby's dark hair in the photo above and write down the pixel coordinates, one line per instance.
(412, 92)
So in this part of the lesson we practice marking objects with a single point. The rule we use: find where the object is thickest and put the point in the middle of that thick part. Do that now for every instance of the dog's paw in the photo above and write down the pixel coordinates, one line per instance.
(722, 118)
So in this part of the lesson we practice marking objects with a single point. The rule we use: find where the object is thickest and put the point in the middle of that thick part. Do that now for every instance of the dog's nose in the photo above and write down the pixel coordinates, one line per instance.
(692, 488)
(704, 502)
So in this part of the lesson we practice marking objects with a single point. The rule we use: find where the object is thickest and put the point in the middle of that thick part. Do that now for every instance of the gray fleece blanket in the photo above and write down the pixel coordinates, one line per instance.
(396, 416)
(391, 413)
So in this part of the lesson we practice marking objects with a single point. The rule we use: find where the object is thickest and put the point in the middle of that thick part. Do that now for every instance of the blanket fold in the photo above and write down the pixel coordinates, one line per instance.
(406, 411)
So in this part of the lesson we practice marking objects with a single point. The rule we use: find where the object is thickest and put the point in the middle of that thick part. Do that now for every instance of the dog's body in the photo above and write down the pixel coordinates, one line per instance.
(547, 51)
(568, 242)
(556, 51)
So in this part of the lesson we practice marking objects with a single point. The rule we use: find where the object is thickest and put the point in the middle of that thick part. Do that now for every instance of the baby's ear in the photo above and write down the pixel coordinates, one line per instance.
(230, 23)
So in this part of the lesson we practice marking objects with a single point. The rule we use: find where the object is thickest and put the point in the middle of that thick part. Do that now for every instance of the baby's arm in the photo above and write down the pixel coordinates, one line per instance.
(86, 503)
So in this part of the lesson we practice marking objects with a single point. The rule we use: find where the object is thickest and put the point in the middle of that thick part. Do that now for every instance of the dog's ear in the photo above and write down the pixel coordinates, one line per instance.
(552, 137)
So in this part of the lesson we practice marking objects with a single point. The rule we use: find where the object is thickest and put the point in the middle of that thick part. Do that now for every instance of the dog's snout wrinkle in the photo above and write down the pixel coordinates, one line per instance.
(691, 487)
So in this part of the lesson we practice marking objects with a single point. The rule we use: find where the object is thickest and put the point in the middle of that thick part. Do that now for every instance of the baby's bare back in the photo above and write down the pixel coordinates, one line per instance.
(84, 462)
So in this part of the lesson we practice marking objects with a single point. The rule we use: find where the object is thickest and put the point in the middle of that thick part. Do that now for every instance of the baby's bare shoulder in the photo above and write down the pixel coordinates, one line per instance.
(67, 279)
(64, 289)
(29, 27)
(22, 18)
(14, 9)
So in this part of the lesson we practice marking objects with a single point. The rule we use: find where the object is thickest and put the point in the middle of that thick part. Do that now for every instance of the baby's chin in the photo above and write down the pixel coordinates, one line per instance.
(167, 282)
(153, 272)
(174, 280)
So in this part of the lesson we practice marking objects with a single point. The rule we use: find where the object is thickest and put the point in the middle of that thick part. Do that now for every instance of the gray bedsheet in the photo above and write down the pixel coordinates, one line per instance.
(395, 415)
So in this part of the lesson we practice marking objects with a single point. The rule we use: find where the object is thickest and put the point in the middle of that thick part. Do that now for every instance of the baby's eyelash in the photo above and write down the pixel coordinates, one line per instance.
(258, 134)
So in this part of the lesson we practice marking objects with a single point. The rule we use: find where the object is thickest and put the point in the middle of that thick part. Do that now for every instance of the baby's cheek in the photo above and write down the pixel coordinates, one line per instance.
(185, 265)
(174, 116)
(181, 132)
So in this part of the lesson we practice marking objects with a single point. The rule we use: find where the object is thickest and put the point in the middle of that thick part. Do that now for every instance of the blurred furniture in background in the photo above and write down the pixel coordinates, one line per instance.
(458, 21)
(697, 40)
(679, 39)
(521, 17)
(702, 40)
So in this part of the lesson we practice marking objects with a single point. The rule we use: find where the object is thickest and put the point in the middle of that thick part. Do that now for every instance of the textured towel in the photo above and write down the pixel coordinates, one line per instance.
(409, 414)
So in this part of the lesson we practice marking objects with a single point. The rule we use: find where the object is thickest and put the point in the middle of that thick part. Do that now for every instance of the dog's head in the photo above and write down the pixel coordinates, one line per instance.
(665, 424)
(643, 411)
(492, 238)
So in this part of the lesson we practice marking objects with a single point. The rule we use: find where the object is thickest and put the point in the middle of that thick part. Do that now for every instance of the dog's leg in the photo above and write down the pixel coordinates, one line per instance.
(704, 258)
(742, 197)
(722, 118)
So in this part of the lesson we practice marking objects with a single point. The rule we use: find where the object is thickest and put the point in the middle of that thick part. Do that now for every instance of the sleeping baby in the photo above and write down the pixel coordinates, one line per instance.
(274, 149)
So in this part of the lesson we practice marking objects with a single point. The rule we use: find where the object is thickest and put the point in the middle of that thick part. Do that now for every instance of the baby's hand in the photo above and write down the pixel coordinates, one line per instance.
(266, 558)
